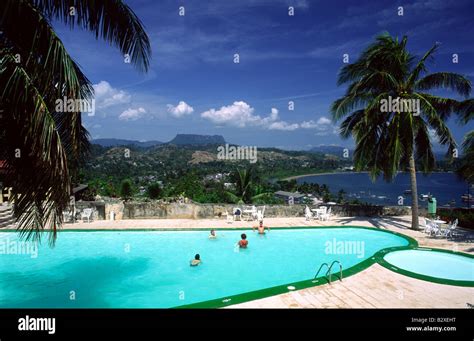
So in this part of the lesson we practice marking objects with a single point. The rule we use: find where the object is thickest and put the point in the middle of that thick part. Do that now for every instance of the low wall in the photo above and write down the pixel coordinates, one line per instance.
(136, 210)
(157, 210)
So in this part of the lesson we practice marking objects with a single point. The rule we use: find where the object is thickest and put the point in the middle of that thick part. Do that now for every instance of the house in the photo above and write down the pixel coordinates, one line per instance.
(290, 197)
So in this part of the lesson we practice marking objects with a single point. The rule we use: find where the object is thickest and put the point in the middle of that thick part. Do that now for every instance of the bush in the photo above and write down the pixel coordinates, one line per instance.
(154, 191)
(465, 216)
(126, 189)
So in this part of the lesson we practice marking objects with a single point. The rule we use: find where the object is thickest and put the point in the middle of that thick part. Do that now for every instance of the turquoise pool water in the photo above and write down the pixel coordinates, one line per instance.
(434, 264)
(151, 269)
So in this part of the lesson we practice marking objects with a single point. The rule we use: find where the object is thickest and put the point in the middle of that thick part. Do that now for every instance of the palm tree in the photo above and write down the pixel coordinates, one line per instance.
(246, 182)
(390, 140)
(466, 168)
(40, 146)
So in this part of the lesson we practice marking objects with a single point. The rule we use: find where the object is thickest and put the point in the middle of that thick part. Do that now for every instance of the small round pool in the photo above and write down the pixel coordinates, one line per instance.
(441, 267)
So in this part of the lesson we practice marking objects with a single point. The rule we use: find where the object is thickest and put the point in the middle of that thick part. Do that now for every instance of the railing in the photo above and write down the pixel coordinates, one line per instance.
(329, 270)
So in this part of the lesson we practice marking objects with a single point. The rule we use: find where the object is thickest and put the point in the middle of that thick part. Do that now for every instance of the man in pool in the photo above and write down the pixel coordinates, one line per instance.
(212, 235)
(243, 243)
(260, 228)
(196, 261)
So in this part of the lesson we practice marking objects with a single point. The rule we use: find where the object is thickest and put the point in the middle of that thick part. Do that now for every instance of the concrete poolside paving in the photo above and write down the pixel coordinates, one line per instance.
(374, 287)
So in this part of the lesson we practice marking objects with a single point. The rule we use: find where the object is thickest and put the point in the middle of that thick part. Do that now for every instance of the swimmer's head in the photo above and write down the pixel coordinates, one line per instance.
(243, 236)
(213, 232)
(261, 223)
(197, 257)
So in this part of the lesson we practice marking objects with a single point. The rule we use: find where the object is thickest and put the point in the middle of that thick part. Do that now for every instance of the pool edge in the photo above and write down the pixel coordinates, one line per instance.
(422, 277)
(227, 301)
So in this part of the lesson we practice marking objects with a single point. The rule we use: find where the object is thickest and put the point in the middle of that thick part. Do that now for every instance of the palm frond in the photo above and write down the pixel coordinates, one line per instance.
(111, 20)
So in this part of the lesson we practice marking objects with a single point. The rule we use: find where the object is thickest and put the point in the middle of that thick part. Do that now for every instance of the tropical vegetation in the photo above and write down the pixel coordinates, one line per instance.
(41, 147)
(393, 140)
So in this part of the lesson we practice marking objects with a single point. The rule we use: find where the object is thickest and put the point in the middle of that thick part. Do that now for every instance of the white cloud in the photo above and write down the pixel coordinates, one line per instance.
(240, 114)
(132, 114)
(282, 125)
(107, 96)
(180, 110)
(324, 121)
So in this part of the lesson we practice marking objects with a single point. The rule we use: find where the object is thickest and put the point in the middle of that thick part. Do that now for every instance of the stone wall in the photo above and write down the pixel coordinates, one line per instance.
(157, 210)
(144, 210)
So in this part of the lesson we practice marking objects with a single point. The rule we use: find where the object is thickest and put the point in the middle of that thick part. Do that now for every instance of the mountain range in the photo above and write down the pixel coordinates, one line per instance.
(179, 139)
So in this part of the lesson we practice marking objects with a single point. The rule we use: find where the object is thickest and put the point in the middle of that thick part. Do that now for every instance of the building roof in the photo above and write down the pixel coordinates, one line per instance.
(289, 194)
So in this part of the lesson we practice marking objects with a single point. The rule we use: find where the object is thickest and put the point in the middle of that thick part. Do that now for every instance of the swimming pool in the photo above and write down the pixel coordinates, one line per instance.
(433, 265)
(150, 269)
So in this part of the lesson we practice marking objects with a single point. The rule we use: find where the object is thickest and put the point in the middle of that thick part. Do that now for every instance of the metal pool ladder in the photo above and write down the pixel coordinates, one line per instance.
(329, 270)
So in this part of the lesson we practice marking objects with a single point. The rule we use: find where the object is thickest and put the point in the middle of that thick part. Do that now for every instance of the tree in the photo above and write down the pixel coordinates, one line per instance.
(246, 182)
(126, 189)
(340, 196)
(391, 140)
(41, 145)
(154, 191)
(466, 168)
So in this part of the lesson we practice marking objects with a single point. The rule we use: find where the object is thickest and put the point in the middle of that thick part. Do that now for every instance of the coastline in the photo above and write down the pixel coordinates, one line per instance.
(295, 177)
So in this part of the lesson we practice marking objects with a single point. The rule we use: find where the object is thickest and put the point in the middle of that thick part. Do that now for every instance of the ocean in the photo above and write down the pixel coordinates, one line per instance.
(447, 188)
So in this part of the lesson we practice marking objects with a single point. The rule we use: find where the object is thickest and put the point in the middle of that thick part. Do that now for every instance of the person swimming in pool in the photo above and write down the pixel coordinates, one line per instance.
(212, 234)
(196, 261)
(260, 228)
(243, 243)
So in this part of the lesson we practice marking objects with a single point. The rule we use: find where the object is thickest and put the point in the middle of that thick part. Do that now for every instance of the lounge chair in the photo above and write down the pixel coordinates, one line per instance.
(87, 213)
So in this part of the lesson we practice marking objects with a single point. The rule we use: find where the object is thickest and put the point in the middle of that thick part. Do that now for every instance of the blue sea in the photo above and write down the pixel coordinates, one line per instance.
(447, 188)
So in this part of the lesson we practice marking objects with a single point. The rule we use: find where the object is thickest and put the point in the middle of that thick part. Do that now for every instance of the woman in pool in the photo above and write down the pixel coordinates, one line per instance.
(196, 261)
(213, 234)
(243, 243)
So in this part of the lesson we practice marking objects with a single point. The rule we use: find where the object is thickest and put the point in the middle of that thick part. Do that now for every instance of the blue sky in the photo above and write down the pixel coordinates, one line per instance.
(194, 86)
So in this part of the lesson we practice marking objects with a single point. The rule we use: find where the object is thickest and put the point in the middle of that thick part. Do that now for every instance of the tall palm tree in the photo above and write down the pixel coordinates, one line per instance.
(391, 140)
(42, 147)
(466, 168)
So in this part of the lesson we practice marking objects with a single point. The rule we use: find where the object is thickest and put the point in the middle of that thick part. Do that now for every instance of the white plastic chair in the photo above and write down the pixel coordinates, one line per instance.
(308, 214)
(87, 213)
(451, 229)
(237, 216)
(325, 216)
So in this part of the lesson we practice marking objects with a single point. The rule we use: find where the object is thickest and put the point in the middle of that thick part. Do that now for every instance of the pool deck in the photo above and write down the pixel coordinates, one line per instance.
(374, 287)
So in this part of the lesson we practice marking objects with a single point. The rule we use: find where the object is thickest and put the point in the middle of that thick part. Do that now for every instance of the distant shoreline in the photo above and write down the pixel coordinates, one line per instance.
(295, 177)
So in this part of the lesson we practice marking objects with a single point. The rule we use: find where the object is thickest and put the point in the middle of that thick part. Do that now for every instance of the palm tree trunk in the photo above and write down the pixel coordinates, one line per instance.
(414, 194)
